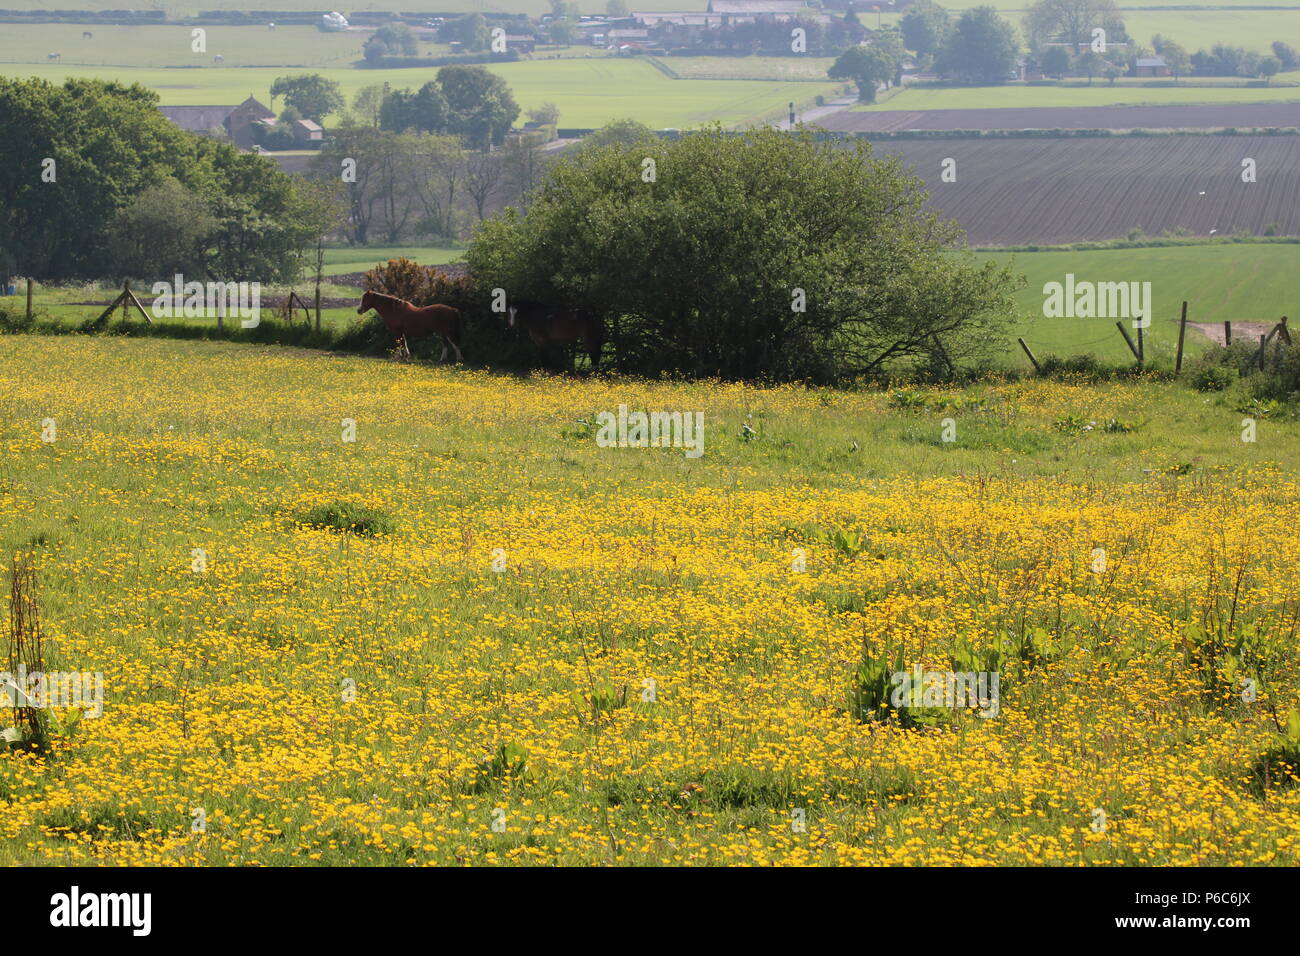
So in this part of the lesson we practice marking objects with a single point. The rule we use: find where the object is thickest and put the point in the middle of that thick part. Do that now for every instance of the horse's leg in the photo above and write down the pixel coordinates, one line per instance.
(443, 357)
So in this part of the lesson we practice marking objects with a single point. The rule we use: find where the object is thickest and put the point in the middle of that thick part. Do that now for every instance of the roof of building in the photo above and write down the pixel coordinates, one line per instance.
(309, 125)
(756, 6)
(197, 119)
(1151, 61)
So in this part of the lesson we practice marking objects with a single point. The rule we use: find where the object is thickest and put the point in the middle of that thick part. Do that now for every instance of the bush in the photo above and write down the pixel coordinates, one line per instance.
(349, 518)
(1213, 378)
(752, 256)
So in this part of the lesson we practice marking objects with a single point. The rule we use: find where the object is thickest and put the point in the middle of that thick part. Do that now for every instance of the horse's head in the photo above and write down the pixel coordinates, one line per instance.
(367, 302)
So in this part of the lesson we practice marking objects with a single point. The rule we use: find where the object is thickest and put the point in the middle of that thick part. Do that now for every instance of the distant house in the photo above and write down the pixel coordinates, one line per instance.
(679, 17)
(308, 133)
(629, 36)
(237, 121)
(522, 43)
(1150, 66)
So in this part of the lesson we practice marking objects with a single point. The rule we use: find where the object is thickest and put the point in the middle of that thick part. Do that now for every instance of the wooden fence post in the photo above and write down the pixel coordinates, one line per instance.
(29, 298)
(1141, 348)
(1227, 333)
(1283, 331)
(1129, 339)
(1263, 344)
(1037, 368)
(1182, 333)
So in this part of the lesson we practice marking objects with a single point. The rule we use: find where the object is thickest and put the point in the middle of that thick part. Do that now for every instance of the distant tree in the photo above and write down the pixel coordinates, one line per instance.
(1055, 61)
(471, 30)
(398, 38)
(367, 104)
(564, 22)
(982, 47)
(1073, 21)
(1089, 63)
(480, 107)
(851, 16)
(867, 67)
(1112, 71)
(622, 132)
(1286, 55)
(310, 94)
(1175, 58)
(374, 50)
(548, 114)
(617, 9)
(925, 25)
(1269, 67)
(424, 111)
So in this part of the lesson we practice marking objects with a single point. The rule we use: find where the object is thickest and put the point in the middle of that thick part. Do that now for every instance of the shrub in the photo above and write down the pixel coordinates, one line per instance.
(1213, 378)
(752, 256)
(349, 518)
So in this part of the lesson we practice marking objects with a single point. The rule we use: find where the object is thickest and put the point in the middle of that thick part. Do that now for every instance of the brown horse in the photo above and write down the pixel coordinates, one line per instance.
(549, 325)
(405, 321)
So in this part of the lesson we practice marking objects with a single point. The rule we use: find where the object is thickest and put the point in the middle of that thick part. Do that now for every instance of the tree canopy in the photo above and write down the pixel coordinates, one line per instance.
(115, 162)
(758, 255)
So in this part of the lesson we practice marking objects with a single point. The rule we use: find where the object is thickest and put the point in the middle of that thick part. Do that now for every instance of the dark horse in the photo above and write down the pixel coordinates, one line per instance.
(549, 325)
(405, 321)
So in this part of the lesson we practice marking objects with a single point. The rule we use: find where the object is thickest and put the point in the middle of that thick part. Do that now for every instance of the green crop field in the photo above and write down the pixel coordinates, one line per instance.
(172, 45)
(1247, 282)
(346, 260)
(750, 67)
(588, 92)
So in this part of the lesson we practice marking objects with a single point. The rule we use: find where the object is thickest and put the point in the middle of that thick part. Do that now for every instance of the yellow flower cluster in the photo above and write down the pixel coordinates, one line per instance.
(562, 653)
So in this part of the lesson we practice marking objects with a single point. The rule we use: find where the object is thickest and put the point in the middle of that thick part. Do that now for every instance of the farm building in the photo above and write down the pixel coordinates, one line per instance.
(523, 43)
(237, 121)
(691, 18)
(1150, 66)
(308, 133)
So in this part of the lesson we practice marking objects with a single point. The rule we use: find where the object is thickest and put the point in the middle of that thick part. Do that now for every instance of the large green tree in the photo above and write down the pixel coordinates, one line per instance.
(1072, 22)
(760, 255)
(924, 26)
(74, 157)
(480, 107)
(981, 48)
(311, 94)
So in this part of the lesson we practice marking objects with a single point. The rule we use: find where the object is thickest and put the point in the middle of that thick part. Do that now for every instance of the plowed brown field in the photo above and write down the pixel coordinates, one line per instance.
(1209, 116)
(1020, 191)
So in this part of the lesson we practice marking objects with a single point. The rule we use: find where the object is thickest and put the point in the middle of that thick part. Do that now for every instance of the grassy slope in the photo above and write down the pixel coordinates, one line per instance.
(624, 565)
(1221, 282)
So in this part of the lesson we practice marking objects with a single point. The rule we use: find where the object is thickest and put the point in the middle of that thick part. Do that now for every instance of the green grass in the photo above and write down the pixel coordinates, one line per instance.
(589, 92)
(170, 46)
(345, 260)
(749, 67)
(1240, 283)
(1246, 282)
(392, 693)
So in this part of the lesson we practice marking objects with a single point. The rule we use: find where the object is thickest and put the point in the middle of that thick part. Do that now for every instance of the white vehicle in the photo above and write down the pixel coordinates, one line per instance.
(333, 22)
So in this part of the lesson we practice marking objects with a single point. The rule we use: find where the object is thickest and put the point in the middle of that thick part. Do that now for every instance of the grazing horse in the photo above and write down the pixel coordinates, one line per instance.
(556, 325)
(405, 321)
